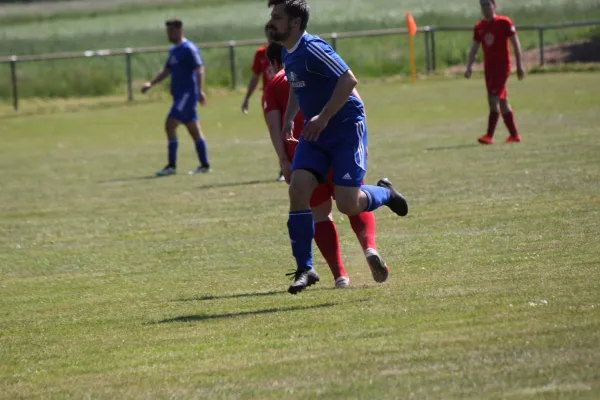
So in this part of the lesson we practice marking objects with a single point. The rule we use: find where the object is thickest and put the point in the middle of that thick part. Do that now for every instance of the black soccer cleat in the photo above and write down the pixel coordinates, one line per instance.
(302, 279)
(398, 203)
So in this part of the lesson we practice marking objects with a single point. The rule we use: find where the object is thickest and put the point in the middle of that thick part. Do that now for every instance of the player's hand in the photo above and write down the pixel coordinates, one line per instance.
(202, 98)
(245, 107)
(286, 169)
(146, 87)
(468, 73)
(314, 127)
(288, 132)
(520, 73)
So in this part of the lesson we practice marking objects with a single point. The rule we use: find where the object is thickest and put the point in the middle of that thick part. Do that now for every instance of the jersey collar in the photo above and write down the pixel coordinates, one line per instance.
(290, 51)
(183, 41)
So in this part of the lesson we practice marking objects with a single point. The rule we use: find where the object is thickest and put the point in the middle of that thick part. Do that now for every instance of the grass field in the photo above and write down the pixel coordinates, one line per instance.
(83, 24)
(118, 285)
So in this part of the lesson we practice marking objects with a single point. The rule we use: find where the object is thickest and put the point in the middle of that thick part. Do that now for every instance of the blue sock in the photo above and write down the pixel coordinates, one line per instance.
(173, 145)
(201, 150)
(377, 196)
(301, 227)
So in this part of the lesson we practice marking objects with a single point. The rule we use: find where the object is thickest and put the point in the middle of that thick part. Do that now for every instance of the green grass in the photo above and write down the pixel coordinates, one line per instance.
(118, 286)
(56, 27)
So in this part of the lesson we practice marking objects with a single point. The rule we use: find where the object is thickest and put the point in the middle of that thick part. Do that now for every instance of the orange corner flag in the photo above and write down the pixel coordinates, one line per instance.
(411, 24)
(412, 31)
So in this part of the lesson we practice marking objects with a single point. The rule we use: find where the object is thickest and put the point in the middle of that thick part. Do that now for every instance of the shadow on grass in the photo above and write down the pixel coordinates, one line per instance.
(204, 187)
(136, 178)
(235, 184)
(206, 317)
(458, 147)
(233, 296)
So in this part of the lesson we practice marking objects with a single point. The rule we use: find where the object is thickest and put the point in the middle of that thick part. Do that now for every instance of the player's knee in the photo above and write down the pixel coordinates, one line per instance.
(504, 106)
(348, 206)
(299, 191)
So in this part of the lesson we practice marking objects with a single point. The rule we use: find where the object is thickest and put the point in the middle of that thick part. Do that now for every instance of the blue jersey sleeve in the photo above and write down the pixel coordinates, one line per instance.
(195, 57)
(323, 60)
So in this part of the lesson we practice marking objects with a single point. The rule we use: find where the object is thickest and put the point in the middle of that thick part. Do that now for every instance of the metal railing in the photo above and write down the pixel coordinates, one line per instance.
(429, 33)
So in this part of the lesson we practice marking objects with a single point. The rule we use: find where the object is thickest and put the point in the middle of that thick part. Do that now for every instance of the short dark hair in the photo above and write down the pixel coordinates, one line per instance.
(175, 23)
(274, 53)
(295, 9)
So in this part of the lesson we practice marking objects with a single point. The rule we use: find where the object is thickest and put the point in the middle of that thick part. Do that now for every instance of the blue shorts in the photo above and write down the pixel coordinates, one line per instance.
(184, 108)
(343, 149)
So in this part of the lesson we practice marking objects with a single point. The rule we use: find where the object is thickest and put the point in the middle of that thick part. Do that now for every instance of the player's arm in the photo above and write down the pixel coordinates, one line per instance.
(157, 79)
(514, 39)
(278, 140)
(343, 89)
(254, 79)
(290, 114)
(471, 58)
(200, 77)
(274, 123)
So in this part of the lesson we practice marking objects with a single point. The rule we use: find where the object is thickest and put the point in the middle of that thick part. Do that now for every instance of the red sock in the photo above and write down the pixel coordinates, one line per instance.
(492, 122)
(363, 226)
(509, 121)
(328, 243)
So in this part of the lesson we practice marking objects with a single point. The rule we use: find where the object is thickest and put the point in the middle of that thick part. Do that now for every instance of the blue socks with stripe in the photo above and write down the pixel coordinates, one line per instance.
(172, 147)
(301, 227)
(376, 196)
(201, 150)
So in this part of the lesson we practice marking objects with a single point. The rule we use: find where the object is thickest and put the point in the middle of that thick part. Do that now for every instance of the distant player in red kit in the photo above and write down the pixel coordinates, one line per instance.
(326, 236)
(261, 68)
(493, 33)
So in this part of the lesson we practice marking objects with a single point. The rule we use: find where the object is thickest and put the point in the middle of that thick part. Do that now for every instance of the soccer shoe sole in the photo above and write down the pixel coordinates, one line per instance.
(297, 289)
(378, 267)
(398, 203)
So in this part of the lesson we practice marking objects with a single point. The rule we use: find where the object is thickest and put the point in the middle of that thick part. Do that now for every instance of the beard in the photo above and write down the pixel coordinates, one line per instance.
(277, 36)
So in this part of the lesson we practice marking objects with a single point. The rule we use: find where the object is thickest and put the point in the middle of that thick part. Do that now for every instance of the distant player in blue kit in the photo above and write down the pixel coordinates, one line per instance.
(334, 135)
(187, 88)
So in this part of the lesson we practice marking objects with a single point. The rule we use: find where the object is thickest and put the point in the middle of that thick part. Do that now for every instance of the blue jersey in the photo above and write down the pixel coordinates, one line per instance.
(313, 69)
(182, 62)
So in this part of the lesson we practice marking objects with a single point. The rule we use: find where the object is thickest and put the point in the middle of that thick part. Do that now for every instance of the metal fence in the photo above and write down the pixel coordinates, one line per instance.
(428, 33)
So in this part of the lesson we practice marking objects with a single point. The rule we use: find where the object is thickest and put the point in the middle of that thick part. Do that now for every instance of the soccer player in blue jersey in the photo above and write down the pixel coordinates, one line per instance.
(334, 135)
(186, 69)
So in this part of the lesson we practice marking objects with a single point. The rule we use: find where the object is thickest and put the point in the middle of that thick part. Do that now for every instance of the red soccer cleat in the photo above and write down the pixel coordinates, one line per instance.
(514, 139)
(486, 139)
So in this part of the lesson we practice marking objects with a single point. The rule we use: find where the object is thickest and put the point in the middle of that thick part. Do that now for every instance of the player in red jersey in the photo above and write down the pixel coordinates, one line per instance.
(326, 236)
(493, 33)
(260, 68)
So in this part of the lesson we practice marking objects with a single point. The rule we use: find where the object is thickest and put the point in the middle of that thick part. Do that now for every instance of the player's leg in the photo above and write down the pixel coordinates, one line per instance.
(363, 226)
(193, 126)
(171, 125)
(326, 235)
(509, 119)
(494, 111)
(358, 200)
(309, 166)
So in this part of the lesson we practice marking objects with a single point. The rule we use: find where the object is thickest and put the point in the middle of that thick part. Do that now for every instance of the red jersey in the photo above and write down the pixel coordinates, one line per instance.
(276, 98)
(493, 36)
(261, 65)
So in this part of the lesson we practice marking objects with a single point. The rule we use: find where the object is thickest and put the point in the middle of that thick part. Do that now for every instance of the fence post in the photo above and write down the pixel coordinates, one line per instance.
(541, 32)
(128, 52)
(427, 52)
(433, 61)
(232, 63)
(334, 37)
(13, 74)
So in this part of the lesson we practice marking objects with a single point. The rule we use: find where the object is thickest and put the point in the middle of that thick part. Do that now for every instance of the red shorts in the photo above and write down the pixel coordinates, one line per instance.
(324, 191)
(495, 81)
